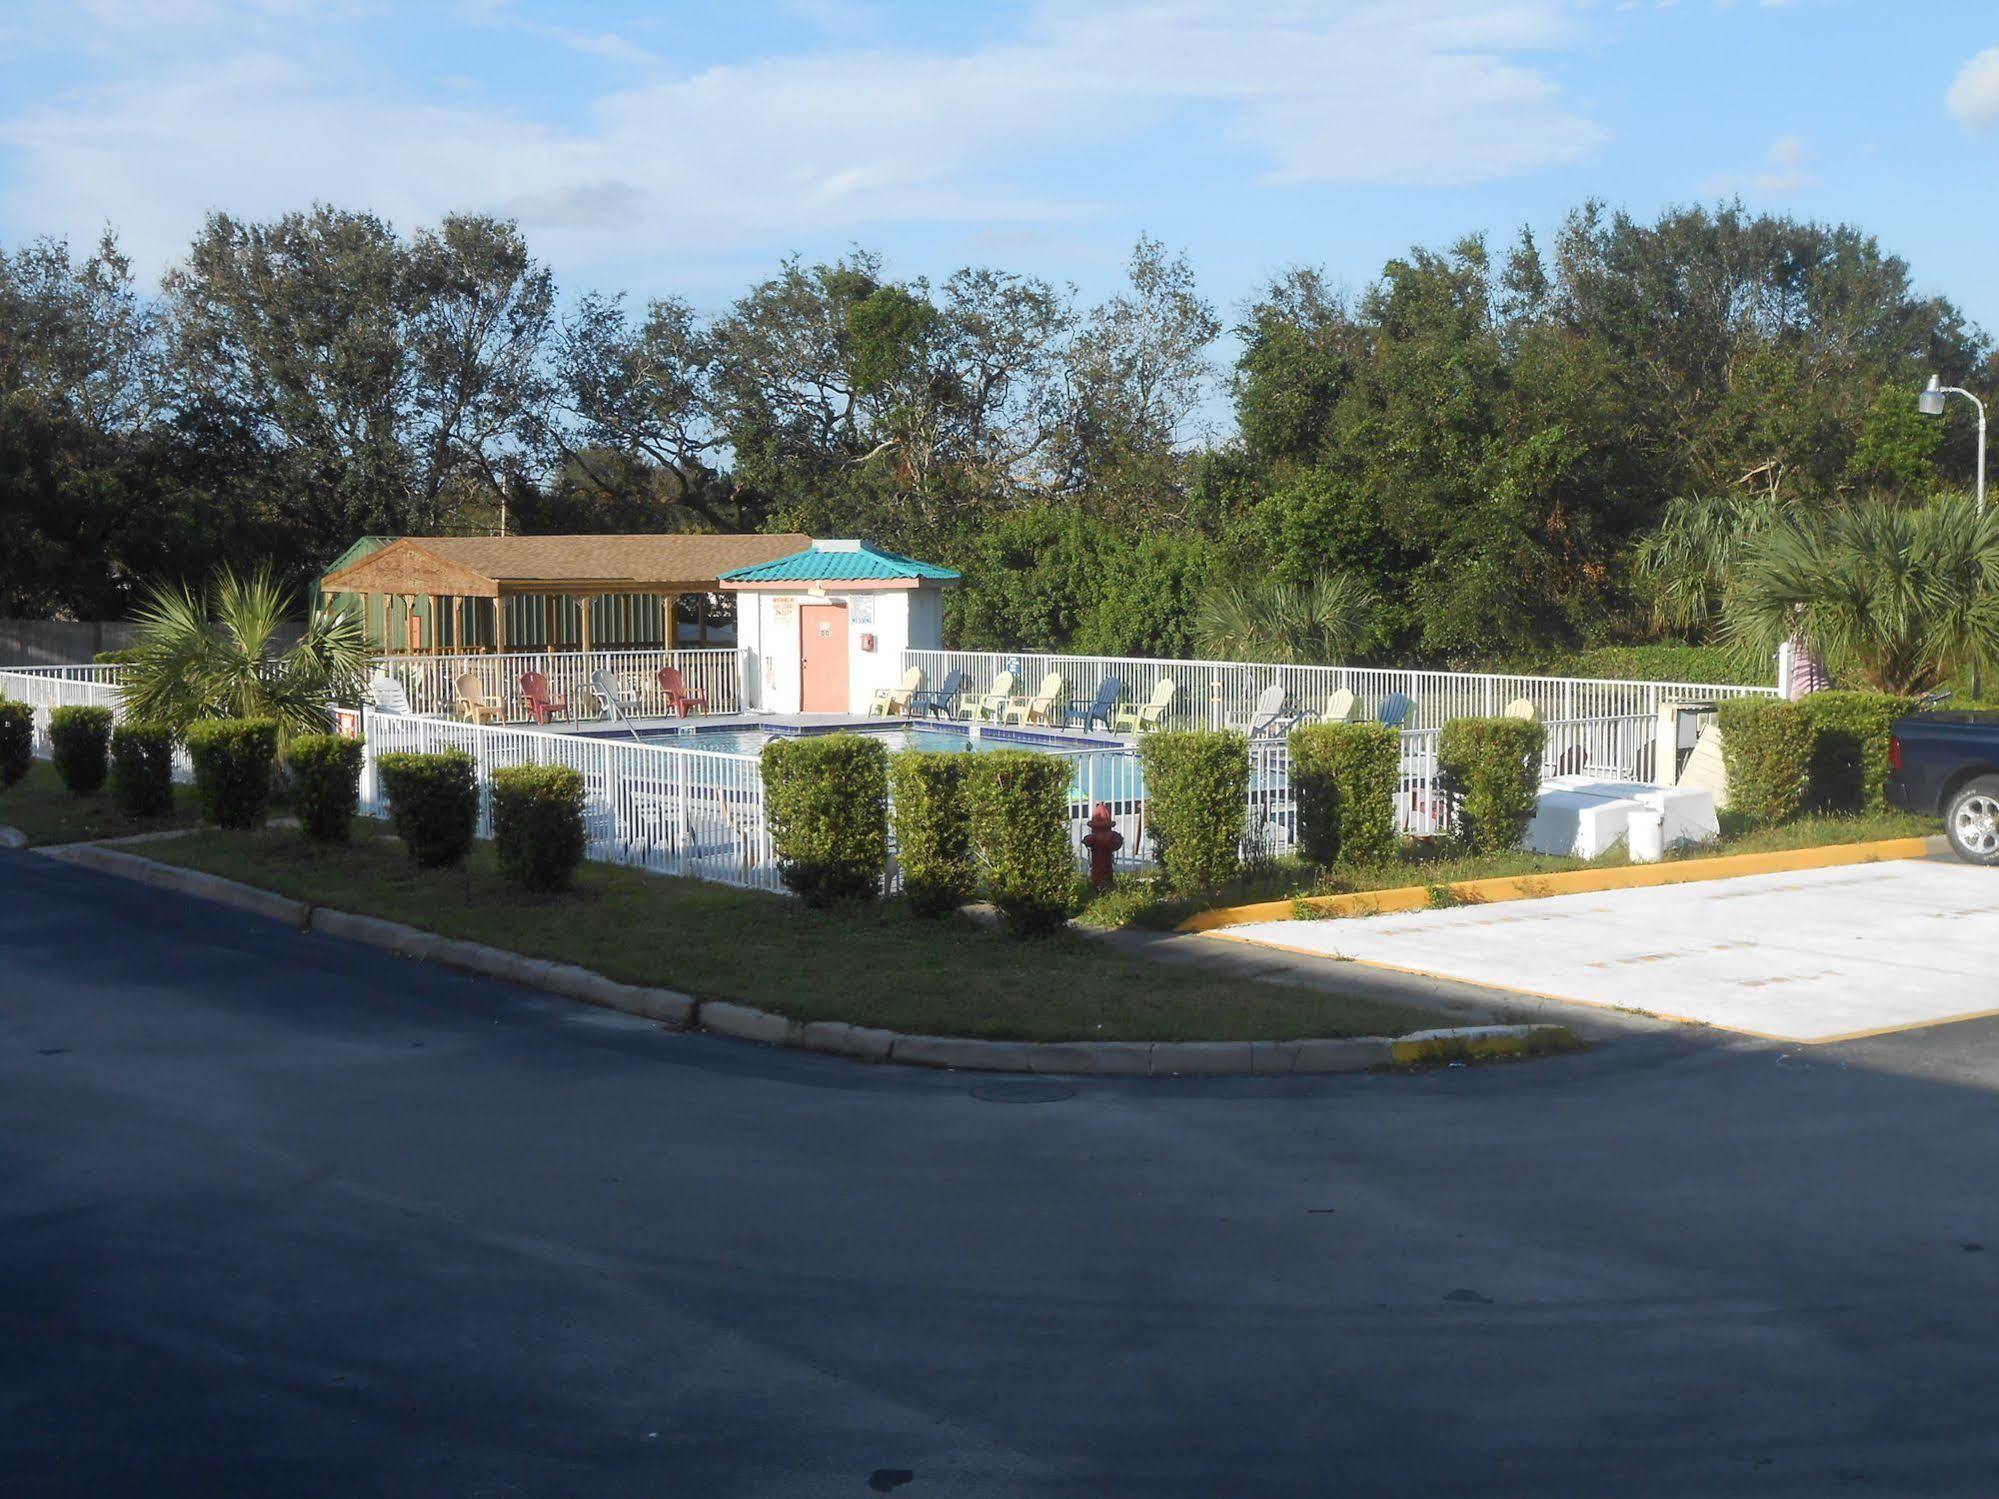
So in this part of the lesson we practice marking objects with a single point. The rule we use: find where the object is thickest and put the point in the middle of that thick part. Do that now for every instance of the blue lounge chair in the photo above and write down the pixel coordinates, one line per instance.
(1110, 692)
(1396, 710)
(938, 702)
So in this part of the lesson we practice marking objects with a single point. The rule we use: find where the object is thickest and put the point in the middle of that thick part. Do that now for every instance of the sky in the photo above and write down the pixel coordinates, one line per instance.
(684, 148)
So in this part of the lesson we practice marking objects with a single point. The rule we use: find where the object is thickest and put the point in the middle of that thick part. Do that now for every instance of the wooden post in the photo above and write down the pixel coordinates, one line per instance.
(499, 626)
(458, 624)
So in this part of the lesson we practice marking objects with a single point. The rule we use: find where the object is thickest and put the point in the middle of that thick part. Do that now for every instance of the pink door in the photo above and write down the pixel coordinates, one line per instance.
(822, 630)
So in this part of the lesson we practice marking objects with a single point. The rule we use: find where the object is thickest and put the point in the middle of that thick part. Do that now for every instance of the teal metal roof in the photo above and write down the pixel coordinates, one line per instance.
(839, 562)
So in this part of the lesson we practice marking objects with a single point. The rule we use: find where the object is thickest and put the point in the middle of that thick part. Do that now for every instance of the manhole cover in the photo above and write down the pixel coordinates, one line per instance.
(1023, 1092)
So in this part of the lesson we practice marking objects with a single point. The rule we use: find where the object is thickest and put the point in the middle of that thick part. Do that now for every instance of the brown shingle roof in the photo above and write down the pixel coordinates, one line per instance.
(483, 564)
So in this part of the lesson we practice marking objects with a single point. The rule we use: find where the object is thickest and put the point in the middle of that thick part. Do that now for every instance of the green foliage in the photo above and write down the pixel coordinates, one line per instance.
(538, 824)
(17, 741)
(325, 784)
(1323, 621)
(1849, 771)
(1662, 662)
(1767, 747)
(933, 840)
(1344, 777)
(1491, 768)
(1196, 794)
(826, 798)
(79, 739)
(1896, 599)
(433, 804)
(142, 769)
(1019, 813)
(233, 759)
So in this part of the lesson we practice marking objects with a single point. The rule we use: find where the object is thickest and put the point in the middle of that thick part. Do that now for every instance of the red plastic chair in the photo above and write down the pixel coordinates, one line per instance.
(679, 701)
(534, 687)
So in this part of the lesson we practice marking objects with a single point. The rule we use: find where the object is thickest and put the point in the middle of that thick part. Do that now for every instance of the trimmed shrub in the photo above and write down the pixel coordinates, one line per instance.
(142, 769)
(1491, 770)
(433, 804)
(79, 743)
(933, 836)
(325, 783)
(538, 824)
(1850, 753)
(826, 799)
(1019, 804)
(1344, 777)
(17, 741)
(1196, 792)
(1766, 746)
(232, 768)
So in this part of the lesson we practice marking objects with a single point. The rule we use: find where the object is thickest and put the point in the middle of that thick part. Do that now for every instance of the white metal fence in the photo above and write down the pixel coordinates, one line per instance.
(1224, 694)
(45, 689)
(431, 681)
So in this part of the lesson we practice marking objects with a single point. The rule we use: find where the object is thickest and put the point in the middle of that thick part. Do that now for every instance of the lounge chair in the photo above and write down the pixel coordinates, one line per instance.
(389, 695)
(542, 705)
(614, 702)
(1144, 717)
(939, 702)
(1273, 715)
(1339, 707)
(1522, 707)
(1396, 710)
(473, 704)
(1110, 692)
(1037, 709)
(987, 707)
(893, 702)
(679, 701)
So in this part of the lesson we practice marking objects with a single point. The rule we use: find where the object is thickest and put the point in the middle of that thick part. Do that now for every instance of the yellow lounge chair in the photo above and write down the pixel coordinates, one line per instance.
(1139, 718)
(1041, 707)
(894, 701)
(473, 704)
(986, 707)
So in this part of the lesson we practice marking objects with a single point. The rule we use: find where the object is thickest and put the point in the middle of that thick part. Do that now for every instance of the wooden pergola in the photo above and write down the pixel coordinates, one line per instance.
(571, 575)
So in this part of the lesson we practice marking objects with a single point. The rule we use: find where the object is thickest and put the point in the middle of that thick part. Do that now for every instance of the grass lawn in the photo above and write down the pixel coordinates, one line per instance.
(48, 812)
(871, 965)
(1138, 902)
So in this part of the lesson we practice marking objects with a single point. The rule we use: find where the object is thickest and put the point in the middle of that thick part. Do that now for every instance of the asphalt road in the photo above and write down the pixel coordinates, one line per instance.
(281, 1216)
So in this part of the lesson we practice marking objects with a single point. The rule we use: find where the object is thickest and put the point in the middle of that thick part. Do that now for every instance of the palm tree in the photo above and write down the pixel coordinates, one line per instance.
(216, 654)
(1320, 622)
(1688, 559)
(1898, 599)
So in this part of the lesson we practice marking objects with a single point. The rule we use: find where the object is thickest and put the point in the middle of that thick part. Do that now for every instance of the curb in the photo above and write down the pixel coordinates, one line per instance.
(1564, 882)
(671, 1008)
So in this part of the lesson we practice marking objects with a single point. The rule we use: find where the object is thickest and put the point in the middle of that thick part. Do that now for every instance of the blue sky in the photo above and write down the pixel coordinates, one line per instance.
(684, 147)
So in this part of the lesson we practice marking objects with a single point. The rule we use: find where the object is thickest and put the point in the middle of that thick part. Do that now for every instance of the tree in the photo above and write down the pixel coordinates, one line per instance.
(1324, 621)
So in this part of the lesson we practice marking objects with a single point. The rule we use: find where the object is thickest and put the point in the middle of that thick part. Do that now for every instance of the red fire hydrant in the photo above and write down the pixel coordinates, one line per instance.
(1102, 841)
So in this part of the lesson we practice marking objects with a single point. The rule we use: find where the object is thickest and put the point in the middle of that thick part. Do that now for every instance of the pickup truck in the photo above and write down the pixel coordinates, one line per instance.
(1947, 764)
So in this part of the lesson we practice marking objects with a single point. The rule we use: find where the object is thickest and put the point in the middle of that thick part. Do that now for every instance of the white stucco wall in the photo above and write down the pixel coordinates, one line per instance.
(897, 619)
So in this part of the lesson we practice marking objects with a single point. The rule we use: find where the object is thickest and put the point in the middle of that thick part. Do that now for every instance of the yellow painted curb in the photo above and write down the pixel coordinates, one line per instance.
(1567, 882)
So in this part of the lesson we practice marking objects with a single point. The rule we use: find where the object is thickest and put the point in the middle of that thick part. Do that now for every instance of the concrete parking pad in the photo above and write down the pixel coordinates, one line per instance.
(1815, 955)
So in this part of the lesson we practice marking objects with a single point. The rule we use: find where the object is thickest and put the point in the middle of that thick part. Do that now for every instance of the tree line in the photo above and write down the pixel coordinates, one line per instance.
(1469, 457)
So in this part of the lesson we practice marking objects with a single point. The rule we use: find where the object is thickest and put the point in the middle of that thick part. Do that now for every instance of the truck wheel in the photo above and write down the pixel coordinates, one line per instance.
(1971, 822)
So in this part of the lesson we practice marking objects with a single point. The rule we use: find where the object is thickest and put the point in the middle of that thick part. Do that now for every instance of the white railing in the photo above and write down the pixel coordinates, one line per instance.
(44, 690)
(659, 807)
(1224, 694)
(107, 672)
(431, 681)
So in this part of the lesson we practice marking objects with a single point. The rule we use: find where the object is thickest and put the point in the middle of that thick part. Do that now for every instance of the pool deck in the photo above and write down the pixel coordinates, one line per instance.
(692, 728)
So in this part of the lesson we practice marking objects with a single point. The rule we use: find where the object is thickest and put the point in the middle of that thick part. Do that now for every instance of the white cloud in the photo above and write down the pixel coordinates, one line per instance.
(1786, 169)
(223, 115)
(1974, 94)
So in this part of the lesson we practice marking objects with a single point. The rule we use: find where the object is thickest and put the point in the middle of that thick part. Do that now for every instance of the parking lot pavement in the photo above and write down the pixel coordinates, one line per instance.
(1817, 955)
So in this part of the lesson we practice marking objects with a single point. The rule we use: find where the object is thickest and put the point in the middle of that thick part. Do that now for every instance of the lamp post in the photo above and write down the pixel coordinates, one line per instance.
(1931, 403)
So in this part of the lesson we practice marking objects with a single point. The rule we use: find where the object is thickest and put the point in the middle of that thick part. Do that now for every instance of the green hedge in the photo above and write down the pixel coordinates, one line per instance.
(1019, 805)
(326, 784)
(1344, 777)
(1766, 747)
(826, 799)
(433, 804)
(1850, 753)
(1491, 769)
(1196, 791)
(538, 824)
(142, 769)
(17, 741)
(80, 743)
(933, 838)
(233, 758)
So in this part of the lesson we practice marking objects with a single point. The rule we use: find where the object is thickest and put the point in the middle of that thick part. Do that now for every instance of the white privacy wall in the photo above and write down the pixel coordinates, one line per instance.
(899, 619)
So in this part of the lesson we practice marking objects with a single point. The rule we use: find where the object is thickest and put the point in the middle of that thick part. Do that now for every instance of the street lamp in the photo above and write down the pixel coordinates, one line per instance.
(1930, 403)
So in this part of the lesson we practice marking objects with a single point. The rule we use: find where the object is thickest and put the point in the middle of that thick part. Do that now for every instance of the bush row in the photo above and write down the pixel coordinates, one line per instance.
(1824, 753)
